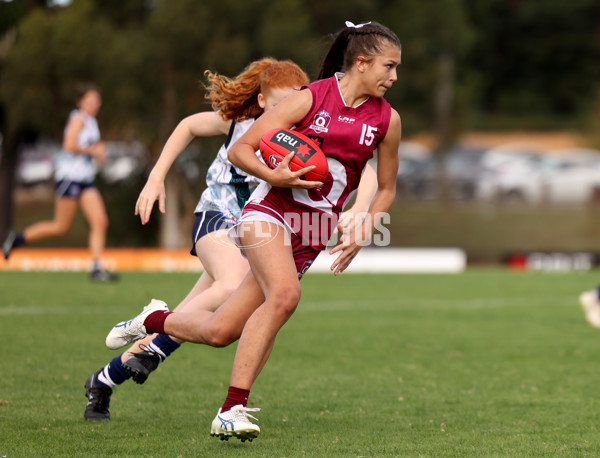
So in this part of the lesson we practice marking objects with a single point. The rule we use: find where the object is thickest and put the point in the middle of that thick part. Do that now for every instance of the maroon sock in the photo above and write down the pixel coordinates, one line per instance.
(235, 396)
(155, 322)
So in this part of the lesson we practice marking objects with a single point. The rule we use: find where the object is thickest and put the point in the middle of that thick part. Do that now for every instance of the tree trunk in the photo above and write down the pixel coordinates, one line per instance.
(8, 167)
(170, 233)
(444, 102)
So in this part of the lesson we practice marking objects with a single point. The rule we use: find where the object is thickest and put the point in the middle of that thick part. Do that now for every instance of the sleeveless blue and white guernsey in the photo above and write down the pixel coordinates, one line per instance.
(75, 167)
(228, 187)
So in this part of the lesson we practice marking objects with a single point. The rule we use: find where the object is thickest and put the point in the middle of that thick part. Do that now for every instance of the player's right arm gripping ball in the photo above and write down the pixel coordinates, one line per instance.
(276, 144)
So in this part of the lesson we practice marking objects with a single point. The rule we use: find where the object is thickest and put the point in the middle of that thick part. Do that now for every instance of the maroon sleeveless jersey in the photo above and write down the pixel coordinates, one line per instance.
(348, 136)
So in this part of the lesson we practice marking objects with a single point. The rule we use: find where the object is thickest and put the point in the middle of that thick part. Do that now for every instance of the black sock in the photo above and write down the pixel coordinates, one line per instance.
(19, 240)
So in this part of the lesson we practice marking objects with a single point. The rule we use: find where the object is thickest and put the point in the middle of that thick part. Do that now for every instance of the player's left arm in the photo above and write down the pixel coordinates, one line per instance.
(367, 188)
(387, 169)
(203, 124)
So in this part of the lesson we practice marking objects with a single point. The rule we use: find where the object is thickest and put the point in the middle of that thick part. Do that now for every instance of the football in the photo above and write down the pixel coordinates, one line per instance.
(276, 144)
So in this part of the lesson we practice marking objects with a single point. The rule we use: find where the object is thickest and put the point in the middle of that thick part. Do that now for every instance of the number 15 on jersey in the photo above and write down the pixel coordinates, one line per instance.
(367, 135)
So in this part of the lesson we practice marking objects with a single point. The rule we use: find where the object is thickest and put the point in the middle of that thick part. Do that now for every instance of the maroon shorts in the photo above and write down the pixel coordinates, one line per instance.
(304, 254)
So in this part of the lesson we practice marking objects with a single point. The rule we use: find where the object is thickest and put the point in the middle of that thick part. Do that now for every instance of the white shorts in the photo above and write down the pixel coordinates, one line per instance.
(234, 232)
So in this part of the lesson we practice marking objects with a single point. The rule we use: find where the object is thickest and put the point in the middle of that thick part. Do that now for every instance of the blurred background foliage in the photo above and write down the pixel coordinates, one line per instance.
(467, 66)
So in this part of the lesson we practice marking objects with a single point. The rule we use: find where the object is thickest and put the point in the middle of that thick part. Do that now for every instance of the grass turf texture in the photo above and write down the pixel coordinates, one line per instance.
(485, 363)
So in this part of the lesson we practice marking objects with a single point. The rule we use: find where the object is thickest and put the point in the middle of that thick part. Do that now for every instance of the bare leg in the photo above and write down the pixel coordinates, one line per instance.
(275, 271)
(225, 268)
(94, 211)
(274, 268)
(223, 326)
(205, 281)
(64, 212)
(260, 315)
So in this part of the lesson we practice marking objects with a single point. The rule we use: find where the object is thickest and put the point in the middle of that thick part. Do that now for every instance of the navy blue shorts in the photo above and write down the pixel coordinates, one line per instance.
(207, 222)
(68, 188)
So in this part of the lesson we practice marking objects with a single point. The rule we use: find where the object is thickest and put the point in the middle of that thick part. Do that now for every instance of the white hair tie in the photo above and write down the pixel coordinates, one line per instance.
(356, 26)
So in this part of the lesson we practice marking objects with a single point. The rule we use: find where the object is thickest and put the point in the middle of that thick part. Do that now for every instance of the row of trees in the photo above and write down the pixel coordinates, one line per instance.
(466, 65)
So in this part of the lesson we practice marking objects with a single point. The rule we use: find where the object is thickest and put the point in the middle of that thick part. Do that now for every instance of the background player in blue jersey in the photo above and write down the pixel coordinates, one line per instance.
(75, 169)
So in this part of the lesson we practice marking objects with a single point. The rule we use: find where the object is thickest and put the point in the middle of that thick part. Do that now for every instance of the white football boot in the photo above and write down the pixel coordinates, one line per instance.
(127, 332)
(591, 306)
(235, 423)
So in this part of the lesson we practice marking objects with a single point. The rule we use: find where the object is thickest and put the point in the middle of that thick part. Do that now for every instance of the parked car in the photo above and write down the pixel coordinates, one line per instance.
(463, 169)
(34, 164)
(124, 160)
(416, 169)
(533, 175)
(420, 178)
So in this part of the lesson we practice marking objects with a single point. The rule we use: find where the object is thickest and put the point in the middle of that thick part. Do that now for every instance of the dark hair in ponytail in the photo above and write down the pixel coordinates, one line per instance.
(83, 88)
(350, 42)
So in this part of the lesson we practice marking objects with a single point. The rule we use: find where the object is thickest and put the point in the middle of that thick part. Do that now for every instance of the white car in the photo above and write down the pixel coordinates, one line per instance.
(35, 163)
(420, 177)
(526, 174)
(124, 160)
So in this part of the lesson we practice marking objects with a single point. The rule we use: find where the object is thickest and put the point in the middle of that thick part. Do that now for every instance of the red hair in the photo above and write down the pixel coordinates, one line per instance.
(237, 98)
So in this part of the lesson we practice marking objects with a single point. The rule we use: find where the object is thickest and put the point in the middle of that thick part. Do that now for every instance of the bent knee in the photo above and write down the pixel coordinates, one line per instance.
(286, 298)
(60, 230)
(220, 338)
(228, 288)
(225, 287)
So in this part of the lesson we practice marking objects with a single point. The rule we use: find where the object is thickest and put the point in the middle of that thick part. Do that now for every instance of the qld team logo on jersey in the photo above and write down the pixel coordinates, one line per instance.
(321, 122)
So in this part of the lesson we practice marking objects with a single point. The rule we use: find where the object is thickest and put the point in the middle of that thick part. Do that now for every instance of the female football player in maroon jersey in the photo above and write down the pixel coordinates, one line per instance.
(237, 102)
(287, 220)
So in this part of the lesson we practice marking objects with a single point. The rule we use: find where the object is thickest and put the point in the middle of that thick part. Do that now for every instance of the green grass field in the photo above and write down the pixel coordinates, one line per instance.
(485, 363)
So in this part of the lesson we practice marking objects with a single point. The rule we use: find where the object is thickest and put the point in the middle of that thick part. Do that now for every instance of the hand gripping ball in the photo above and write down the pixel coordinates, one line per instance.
(276, 144)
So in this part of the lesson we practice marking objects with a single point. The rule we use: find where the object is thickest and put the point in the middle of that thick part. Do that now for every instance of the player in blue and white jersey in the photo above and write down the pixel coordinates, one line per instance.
(75, 169)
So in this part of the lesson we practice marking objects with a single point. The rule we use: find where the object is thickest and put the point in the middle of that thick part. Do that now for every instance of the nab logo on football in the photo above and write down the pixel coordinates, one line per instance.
(287, 141)
(305, 152)
(276, 144)
(295, 144)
